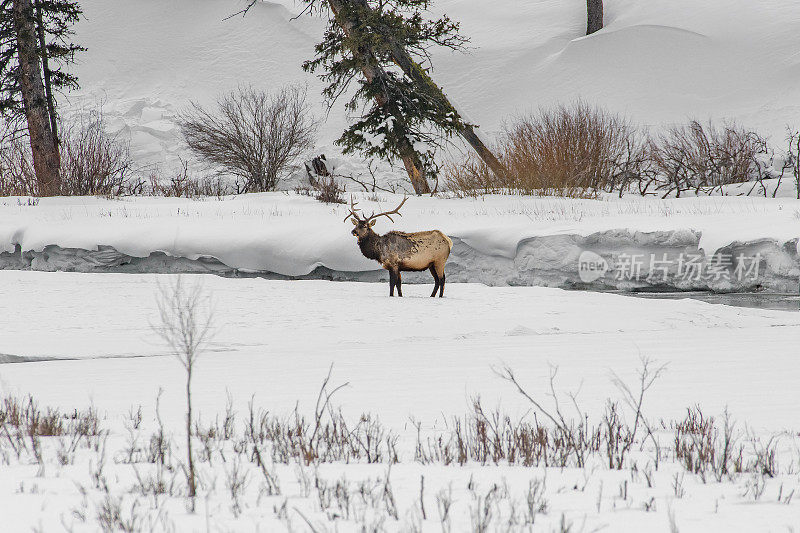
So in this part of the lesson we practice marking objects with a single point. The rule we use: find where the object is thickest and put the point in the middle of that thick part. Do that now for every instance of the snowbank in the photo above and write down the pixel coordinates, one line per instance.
(717, 243)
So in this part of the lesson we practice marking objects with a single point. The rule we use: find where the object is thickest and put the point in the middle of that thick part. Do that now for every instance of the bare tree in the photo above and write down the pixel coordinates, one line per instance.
(594, 12)
(252, 135)
(35, 48)
(185, 326)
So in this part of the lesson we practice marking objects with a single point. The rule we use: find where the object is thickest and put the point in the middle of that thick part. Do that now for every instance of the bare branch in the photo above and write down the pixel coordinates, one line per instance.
(242, 12)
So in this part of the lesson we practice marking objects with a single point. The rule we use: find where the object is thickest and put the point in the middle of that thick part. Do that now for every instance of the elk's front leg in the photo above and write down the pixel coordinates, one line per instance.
(392, 281)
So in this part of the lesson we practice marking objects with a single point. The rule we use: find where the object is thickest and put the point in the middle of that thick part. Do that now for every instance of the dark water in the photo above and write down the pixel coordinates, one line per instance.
(759, 300)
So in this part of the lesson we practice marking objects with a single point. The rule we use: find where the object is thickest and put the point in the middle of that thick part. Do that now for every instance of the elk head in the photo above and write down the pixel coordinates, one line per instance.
(363, 225)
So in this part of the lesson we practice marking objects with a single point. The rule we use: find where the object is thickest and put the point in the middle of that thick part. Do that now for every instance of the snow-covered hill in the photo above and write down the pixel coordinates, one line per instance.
(658, 62)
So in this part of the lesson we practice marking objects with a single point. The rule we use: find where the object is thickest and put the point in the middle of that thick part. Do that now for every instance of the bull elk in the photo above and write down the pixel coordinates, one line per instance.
(400, 252)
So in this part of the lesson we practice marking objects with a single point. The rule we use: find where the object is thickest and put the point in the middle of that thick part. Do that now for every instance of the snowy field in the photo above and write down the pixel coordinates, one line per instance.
(417, 356)
(403, 445)
(412, 358)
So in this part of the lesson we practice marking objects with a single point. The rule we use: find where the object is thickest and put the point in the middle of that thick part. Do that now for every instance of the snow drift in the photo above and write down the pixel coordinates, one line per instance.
(716, 243)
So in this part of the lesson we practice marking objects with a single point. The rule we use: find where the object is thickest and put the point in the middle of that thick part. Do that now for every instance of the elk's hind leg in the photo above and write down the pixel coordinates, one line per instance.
(440, 275)
(398, 281)
(436, 279)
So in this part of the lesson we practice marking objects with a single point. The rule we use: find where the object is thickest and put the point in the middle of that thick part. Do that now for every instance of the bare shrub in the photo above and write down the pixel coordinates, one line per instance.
(580, 150)
(578, 438)
(617, 435)
(695, 442)
(327, 437)
(321, 441)
(471, 177)
(23, 422)
(111, 517)
(702, 447)
(572, 150)
(764, 460)
(327, 190)
(26, 416)
(696, 156)
(17, 177)
(181, 184)
(93, 162)
(494, 438)
(555, 439)
(252, 135)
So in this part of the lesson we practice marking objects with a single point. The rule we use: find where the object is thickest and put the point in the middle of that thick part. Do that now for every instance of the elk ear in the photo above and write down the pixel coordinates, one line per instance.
(354, 221)
(372, 223)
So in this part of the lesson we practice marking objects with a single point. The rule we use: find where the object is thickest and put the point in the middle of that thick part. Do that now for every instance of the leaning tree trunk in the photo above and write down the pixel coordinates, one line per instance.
(415, 169)
(410, 157)
(43, 143)
(413, 70)
(594, 10)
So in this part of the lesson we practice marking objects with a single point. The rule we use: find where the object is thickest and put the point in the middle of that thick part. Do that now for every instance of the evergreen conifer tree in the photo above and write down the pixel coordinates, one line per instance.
(383, 45)
(35, 48)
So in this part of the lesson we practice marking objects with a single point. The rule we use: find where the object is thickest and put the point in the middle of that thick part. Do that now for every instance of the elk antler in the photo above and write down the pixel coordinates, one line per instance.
(353, 210)
(387, 214)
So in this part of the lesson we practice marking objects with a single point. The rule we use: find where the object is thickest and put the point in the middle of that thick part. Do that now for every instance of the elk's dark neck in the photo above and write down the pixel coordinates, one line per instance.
(370, 246)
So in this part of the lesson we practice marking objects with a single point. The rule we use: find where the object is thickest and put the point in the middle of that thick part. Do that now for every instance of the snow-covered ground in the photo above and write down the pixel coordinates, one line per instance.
(76, 332)
(658, 62)
(499, 240)
(414, 357)
(417, 356)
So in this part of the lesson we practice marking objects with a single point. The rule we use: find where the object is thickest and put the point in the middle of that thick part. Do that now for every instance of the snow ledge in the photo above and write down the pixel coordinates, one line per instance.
(659, 261)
